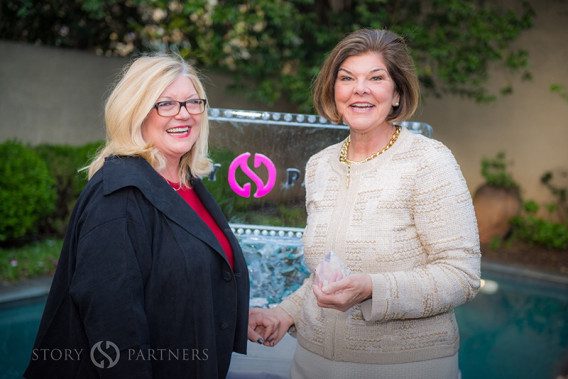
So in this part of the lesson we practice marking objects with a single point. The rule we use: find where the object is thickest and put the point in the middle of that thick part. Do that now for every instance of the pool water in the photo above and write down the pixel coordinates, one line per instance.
(513, 329)
(517, 329)
(18, 326)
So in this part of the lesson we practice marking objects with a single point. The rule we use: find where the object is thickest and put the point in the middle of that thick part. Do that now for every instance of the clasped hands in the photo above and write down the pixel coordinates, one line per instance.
(268, 326)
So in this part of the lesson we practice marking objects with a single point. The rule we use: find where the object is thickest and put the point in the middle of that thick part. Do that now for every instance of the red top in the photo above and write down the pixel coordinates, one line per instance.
(191, 198)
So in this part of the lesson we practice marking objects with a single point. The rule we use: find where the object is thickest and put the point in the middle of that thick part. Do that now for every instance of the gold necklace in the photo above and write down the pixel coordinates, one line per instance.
(344, 149)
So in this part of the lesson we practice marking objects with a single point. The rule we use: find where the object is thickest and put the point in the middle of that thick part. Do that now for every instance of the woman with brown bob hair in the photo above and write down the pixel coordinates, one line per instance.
(394, 209)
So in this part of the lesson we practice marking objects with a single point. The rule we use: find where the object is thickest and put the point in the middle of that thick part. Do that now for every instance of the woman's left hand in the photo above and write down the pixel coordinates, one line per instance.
(262, 325)
(345, 293)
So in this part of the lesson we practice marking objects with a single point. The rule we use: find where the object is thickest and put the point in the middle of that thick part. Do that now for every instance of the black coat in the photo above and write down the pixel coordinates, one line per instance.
(140, 269)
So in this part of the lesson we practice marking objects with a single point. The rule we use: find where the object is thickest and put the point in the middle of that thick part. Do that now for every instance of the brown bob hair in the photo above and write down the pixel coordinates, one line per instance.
(399, 64)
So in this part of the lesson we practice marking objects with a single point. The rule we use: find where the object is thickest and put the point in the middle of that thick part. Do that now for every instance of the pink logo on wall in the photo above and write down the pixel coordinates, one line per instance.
(262, 189)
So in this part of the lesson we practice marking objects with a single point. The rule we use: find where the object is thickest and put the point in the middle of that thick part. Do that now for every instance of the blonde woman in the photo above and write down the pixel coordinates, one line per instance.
(149, 265)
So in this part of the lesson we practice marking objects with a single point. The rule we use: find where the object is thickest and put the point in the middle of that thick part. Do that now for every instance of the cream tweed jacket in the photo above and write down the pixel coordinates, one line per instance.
(407, 219)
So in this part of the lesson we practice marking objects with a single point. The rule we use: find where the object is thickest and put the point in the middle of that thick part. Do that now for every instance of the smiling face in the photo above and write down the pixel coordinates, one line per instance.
(173, 136)
(364, 92)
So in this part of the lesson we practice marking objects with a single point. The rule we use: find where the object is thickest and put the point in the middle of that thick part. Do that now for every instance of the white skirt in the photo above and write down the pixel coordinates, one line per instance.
(307, 365)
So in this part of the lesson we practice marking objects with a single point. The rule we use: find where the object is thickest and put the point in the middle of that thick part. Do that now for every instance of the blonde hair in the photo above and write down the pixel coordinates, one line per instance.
(399, 64)
(134, 96)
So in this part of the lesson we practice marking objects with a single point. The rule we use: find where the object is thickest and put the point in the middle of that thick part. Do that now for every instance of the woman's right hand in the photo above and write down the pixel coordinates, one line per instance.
(285, 322)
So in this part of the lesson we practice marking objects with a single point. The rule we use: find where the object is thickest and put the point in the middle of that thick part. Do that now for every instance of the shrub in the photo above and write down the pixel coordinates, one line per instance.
(494, 171)
(556, 183)
(27, 191)
(530, 228)
(64, 162)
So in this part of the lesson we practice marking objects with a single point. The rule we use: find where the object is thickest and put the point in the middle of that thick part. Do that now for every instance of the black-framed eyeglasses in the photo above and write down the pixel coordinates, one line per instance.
(170, 108)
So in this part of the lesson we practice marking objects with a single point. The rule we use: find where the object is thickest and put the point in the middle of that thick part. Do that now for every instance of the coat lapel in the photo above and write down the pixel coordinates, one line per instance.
(216, 212)
(122, 172)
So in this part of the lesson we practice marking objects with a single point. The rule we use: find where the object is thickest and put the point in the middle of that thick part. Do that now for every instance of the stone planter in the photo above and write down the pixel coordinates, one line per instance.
(494, 208)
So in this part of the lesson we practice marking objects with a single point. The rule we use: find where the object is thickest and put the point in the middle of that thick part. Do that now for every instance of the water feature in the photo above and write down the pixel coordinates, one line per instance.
(275, 259)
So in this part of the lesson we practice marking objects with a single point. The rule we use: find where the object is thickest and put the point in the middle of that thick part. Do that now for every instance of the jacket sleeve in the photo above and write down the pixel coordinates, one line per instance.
(293, 304)
(446, 226)
(108, 291)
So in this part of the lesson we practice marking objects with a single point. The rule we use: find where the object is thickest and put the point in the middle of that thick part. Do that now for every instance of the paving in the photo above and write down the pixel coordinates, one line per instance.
(264, 362)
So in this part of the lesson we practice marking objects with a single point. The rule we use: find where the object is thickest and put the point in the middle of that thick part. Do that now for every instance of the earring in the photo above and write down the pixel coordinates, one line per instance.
(395, 104)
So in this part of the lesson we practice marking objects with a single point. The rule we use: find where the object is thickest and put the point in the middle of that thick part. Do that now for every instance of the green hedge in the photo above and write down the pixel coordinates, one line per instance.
(38, 188)
(539, 231)
(27, 191)
(64, 163)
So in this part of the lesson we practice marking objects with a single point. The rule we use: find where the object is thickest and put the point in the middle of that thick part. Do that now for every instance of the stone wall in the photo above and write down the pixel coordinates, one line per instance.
(530, 125)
